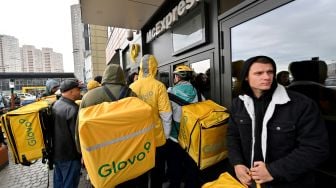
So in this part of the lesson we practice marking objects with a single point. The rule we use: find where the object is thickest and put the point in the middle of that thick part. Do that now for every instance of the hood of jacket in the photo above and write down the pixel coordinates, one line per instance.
(51, 84)
(185, 90)
(92, 84)
(245, 87)
(113, 74)
(148, 67)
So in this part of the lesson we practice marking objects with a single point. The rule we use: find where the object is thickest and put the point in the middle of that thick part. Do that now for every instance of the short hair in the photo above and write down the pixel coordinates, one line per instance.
(98, 79)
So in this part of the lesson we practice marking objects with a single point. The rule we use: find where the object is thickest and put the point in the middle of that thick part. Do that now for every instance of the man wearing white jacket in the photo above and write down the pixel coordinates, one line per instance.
(275, 137)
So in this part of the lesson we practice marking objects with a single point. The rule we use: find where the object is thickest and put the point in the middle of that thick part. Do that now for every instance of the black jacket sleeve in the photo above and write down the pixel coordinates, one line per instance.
(235, 151)
(311, 146)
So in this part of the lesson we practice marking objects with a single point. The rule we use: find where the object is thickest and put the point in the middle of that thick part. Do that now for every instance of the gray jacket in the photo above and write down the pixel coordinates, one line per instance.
(65, 114)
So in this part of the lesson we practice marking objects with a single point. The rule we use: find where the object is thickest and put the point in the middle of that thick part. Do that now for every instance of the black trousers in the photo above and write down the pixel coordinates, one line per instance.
(138, 182)
(175, 164)
(158, 173)
(181, 167)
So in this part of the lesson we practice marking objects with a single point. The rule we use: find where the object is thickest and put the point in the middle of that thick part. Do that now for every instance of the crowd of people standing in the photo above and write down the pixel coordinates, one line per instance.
(276, 136)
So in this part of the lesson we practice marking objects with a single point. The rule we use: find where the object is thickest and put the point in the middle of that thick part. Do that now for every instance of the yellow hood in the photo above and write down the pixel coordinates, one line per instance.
(148, 67)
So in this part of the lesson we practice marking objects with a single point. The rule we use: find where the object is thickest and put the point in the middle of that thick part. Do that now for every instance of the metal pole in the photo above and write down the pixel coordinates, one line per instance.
(12, 99)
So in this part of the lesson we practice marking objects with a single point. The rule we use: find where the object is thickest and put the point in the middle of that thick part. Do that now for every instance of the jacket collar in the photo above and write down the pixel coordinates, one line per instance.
(279, 96)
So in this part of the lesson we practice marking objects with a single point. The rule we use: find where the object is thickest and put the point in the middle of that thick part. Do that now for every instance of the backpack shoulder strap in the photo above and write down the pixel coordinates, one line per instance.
(109, 93)
(177, 99)
(124, 92)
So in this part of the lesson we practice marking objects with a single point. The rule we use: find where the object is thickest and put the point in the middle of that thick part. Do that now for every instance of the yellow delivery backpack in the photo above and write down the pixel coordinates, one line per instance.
(225, 180)
(203, 128)
(117, 140)
(27, 129)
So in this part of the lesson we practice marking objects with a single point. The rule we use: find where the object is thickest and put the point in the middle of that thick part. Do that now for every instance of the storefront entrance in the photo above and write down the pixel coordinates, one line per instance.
(202, 64)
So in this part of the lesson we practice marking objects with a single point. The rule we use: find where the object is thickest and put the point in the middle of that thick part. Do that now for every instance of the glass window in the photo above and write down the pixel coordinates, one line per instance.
(300, 37)
(163, 76)
(290, 33)
(202, 77)
(189, 33)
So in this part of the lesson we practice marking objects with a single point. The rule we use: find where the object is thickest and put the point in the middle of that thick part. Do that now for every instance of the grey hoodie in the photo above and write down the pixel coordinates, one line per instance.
(113, 79)
(50, 84)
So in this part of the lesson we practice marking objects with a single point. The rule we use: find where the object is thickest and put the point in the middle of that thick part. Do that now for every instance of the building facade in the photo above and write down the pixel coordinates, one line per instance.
(95, 55)
(31, 81)
(31, 60)
(27, 58)
(78, 41)
(10, 58)
(51, 61)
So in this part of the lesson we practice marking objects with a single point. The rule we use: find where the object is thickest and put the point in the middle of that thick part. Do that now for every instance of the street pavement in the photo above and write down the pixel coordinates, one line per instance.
(35, 176)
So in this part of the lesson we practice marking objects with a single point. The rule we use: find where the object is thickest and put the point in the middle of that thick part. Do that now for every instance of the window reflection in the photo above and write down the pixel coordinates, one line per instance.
(188, 34)
(290, 33)
(236, 81)
(202, 77)
(301, 42)
(163, 76)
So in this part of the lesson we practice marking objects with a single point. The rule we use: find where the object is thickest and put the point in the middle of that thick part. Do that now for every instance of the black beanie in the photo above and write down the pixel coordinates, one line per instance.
(246, 67)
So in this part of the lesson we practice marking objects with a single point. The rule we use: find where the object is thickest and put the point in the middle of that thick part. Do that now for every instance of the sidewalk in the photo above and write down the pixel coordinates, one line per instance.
(35, 176)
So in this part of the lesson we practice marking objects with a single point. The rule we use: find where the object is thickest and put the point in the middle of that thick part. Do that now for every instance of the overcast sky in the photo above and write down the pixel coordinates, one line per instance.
(42, 23)
(297, 31)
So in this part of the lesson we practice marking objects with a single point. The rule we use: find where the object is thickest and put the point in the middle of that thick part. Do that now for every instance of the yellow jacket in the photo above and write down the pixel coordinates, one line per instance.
(154, 93)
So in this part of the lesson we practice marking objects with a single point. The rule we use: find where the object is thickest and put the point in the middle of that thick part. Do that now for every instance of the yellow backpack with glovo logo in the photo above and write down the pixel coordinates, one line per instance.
(117, 140)
(26, 130)
(202, 133)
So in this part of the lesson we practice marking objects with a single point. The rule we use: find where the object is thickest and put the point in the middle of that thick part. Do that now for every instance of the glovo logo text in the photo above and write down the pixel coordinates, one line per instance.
(147, 96)
(116, 166)
(30, 136)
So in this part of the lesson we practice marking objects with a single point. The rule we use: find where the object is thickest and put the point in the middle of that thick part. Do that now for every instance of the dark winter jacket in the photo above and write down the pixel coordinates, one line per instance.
(114, 80)
(293, 138)
(65, 114)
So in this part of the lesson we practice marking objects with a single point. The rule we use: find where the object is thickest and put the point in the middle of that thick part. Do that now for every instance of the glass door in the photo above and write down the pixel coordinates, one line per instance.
(300, 36)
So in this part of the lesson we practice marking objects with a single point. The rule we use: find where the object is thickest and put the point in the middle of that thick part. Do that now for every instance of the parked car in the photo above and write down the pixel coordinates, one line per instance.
(26, 96)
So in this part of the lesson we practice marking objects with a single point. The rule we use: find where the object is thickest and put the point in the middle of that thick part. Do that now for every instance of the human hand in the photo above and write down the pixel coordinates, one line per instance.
(259, 173)
(243, 174)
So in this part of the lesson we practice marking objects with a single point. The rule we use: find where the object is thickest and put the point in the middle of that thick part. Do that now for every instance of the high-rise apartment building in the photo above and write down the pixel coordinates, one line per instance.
(57, 63)
(30, 60)
(10, 58)
(46, 59)
(51, 61)
(27, 58)
(78, 41)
